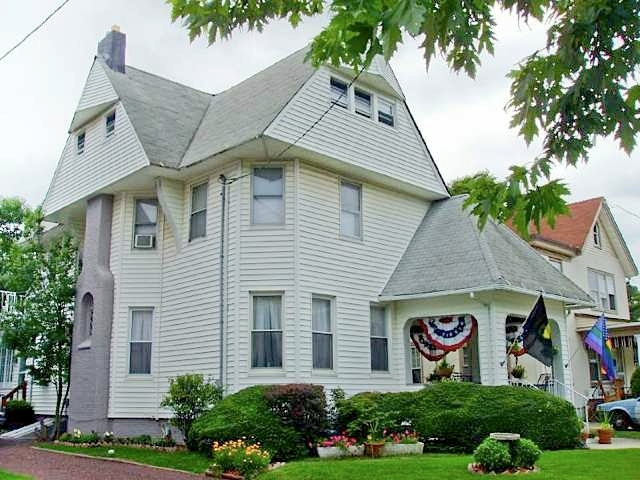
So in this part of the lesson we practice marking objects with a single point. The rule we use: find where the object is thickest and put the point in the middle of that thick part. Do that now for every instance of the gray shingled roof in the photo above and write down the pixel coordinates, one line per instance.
(164, 114)
(245, 110)
(449, 253)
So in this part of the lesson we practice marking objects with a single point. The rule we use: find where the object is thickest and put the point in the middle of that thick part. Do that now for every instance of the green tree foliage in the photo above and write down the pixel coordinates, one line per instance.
(190, 396)
(634, 301)
(18, 223)
(40, 327)
(576, 88)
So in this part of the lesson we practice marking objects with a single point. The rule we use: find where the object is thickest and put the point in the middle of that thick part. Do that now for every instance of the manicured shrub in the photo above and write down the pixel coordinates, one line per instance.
(461, 415)
(189, 397)
(301, 406)
(525, 453)
(19, 413)
(493, 455)
(247, 414)
(635, 383)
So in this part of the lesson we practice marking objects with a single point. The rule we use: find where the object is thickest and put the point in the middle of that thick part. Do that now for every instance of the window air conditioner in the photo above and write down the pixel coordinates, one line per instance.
(144, 241)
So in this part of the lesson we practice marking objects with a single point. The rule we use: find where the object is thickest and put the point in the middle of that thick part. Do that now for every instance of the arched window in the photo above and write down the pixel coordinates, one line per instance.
(87, 316)
(597, 240)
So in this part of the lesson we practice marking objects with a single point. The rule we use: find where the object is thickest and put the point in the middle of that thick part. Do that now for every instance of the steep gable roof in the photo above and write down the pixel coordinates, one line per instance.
(571, 230)
(164, 114)
(448, 253)
(244, 111)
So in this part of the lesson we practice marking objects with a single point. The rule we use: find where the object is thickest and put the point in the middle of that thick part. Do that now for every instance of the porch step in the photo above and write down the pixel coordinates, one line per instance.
(25, 431)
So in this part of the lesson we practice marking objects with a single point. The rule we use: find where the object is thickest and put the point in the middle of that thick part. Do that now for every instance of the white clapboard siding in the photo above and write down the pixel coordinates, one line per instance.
(353, 272)
(398, 152)
(137, 274)
(97, 89)
(104, 161)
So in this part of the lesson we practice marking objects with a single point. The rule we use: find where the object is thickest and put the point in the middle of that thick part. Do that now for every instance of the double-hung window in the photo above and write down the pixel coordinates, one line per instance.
(386, 112)
(6, 363)
(350, 210)
(266, 335)
(140, 340)
(145, 223)
(268, 196)
(339, 93)
(362, 102)
(110, 123)
(321, 326)
(379, 339)
(198, 220)
(602, 289)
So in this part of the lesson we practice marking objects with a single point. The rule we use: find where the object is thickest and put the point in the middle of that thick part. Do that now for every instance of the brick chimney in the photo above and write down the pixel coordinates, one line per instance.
(112, 49)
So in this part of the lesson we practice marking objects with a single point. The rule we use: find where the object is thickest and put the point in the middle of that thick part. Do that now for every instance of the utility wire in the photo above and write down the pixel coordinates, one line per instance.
(627, 211)
(6, 54)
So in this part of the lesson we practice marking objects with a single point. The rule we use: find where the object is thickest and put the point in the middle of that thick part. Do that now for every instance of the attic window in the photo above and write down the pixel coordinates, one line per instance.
(597, 240)
(363, 103)
(111, 123)
(339, 93)
(385, 112)
(80, 143)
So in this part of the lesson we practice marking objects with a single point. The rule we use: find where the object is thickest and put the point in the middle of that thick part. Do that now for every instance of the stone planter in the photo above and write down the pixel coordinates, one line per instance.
(391, 449)
(336, 452)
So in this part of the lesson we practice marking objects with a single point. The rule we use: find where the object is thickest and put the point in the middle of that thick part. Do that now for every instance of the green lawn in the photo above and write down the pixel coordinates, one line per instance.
(560, 465)
(181, 460)
(628, 434)
(4, 475)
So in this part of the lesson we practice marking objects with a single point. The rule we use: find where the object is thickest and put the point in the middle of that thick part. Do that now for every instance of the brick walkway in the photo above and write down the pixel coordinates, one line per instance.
(21, 458)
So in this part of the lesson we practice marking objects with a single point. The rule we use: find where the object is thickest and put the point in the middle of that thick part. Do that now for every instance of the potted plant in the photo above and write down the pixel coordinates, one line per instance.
(375, 437)
(518, 371)
(605, 429)
(444, 369)
(403, 443)
(339, 446)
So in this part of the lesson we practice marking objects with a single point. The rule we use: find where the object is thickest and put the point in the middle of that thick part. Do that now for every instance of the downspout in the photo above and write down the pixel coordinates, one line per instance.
(223, 194)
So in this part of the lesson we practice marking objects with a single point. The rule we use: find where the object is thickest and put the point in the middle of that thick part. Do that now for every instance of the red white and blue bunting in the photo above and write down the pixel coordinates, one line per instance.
(435, 336)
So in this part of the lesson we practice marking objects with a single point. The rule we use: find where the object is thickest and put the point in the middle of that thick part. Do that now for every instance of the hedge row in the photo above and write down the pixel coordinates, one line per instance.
(450, 416)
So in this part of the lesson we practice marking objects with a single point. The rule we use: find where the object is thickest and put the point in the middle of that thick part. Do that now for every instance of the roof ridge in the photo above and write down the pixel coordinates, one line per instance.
(579, 202)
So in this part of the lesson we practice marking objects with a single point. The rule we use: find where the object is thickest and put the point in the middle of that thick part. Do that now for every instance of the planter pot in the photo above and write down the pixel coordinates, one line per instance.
(604, 436)
(335, 452)
(373, 449)
(403, 449)
(444, 372)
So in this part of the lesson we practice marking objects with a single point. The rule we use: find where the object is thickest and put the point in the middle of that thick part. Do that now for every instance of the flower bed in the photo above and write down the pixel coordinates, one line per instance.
(79, 439)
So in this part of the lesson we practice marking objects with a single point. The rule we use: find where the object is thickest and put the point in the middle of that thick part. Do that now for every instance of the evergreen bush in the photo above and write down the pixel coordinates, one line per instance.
(525, 453)
(635, 383)
(247, 414)
(493, 455)
(19, 413)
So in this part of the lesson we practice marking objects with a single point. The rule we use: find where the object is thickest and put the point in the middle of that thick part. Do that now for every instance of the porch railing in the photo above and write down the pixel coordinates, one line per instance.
(9, 396)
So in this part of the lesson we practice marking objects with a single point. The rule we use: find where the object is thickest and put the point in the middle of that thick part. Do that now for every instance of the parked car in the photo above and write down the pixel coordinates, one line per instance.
(624, 413)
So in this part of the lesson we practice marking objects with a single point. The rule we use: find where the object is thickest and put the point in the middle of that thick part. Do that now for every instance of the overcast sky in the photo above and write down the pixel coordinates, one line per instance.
(463, 121)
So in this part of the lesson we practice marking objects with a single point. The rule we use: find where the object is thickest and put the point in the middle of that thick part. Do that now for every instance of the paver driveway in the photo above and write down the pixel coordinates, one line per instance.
(21, 458)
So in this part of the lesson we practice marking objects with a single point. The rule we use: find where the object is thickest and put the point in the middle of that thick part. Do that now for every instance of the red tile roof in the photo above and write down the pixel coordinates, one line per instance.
(571, 230)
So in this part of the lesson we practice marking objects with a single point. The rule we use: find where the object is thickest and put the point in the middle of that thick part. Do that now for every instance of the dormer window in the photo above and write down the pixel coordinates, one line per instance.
(110, 123)
(339, 93)
(386, 112)
(597, 240)
(80, 142)
(363, 103)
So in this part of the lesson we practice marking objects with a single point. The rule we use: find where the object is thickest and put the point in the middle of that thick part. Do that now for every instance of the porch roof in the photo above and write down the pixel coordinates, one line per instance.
(449, 254)
(615, 328)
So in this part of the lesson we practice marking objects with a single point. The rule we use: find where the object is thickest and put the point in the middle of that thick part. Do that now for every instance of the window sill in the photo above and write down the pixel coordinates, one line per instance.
(266, 371)
(147, 377)
(346, 238)
(324, 372)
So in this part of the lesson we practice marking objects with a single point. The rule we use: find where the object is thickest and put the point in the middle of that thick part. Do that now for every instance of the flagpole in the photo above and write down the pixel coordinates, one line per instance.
(519, 332)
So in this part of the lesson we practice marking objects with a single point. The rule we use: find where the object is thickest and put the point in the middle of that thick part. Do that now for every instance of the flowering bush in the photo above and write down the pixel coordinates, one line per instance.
(406, 437)
(343, 441)
(107, 437)
(238, 456)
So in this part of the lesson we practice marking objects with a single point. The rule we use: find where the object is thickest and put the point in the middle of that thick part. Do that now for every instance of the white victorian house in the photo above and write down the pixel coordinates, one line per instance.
(293, 228)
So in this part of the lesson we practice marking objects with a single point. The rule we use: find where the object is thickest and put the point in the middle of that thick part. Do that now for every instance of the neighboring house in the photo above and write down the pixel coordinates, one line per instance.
(239, 236)
(587, 246)
(13, 370)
